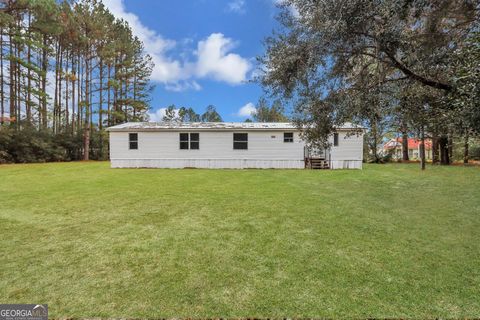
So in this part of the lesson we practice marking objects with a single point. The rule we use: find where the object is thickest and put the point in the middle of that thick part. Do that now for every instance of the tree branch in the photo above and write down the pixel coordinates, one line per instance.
(416, 77)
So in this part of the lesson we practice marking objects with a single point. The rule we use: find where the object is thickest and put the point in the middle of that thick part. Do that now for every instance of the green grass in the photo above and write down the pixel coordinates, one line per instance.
(387, 241)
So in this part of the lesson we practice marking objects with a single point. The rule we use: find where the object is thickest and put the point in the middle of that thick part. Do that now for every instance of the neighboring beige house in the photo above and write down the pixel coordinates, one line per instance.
(394, 146)
(228, 145)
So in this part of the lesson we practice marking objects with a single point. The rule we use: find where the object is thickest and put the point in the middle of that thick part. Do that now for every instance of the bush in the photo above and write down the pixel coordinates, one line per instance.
(99, 145)
(32, 145)
(475, 152)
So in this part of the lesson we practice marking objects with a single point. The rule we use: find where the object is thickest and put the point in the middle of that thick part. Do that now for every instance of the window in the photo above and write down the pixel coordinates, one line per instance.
(189, 141)
(240, 141)
(133, 141)
(194, 141)
(184, 140)
(288, 137)
(335, 139)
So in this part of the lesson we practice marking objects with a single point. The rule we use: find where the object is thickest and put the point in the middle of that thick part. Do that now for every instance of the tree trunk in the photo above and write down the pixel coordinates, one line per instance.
(86, 142)
(100, 111)
(39, 93)
(465, 147)
(443, 144)
(115, 93)
(44, 83)
(59, 101)
(134, 96)
(86, 129)
(28, 105)
(100, 107)
(89, 96)
(374, 145)
(120, 96)
(67, 77)
(422, 148)
(73, 92)
(405, 146)
(450, 148)
(434, 149)
(109, 121)
(12, 84)
(18, 76)
(79, 94)
(55, 95)
(125, 92)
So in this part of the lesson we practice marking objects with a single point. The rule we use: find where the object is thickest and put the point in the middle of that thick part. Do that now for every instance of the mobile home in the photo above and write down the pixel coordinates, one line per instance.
(229, 145)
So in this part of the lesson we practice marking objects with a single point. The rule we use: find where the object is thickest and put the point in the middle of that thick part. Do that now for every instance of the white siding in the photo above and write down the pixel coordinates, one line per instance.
(266, 149)
(349, 152)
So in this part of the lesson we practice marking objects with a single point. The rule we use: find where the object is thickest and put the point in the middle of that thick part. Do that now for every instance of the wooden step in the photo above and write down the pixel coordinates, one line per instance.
(318, 164)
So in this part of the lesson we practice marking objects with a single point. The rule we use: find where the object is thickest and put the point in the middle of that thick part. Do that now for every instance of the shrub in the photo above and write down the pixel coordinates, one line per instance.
(32, 145)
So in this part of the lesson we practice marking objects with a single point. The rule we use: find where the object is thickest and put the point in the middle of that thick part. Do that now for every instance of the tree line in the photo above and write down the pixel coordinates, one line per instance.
(67, 70)
(187, 114)
(264, 112)
(408, 66)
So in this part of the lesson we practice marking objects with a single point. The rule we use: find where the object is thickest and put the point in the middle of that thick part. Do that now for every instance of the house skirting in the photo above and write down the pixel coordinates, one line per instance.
(346, 164)
(227, 163)
(207, 163)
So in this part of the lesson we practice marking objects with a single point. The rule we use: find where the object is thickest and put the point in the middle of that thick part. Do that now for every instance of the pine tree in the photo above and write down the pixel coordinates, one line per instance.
(211, 115)
(100, 72)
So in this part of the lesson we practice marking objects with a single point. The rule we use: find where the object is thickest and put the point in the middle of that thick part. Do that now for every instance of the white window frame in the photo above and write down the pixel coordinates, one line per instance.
(130, 140)
(289, 139)
(189, 140)
(240, 141)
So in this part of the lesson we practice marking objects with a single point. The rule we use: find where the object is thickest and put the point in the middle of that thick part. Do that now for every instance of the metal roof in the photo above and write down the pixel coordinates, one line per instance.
(173, 125)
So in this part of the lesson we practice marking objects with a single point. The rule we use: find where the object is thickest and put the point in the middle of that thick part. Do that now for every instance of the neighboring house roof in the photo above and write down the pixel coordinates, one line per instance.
(172, 125)
(412, 143)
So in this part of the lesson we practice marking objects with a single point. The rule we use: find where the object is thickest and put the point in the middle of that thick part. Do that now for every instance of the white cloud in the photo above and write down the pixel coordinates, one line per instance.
(183, 86)
(166, 69)
(214, 59)
(237, 6)
(247, 110)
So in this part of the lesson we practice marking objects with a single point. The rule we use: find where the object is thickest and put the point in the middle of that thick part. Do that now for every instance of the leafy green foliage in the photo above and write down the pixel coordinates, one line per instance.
(266, 113)
(211, 115)
(31, 145)
(467, 82)
(376, 63)
(188, 115)
(101, 74)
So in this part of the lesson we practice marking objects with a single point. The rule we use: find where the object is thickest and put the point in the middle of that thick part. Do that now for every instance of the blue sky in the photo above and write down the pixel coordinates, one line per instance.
(204, 50)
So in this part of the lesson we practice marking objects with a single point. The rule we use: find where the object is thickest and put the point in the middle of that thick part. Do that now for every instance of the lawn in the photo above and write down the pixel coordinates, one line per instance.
(386, 241)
